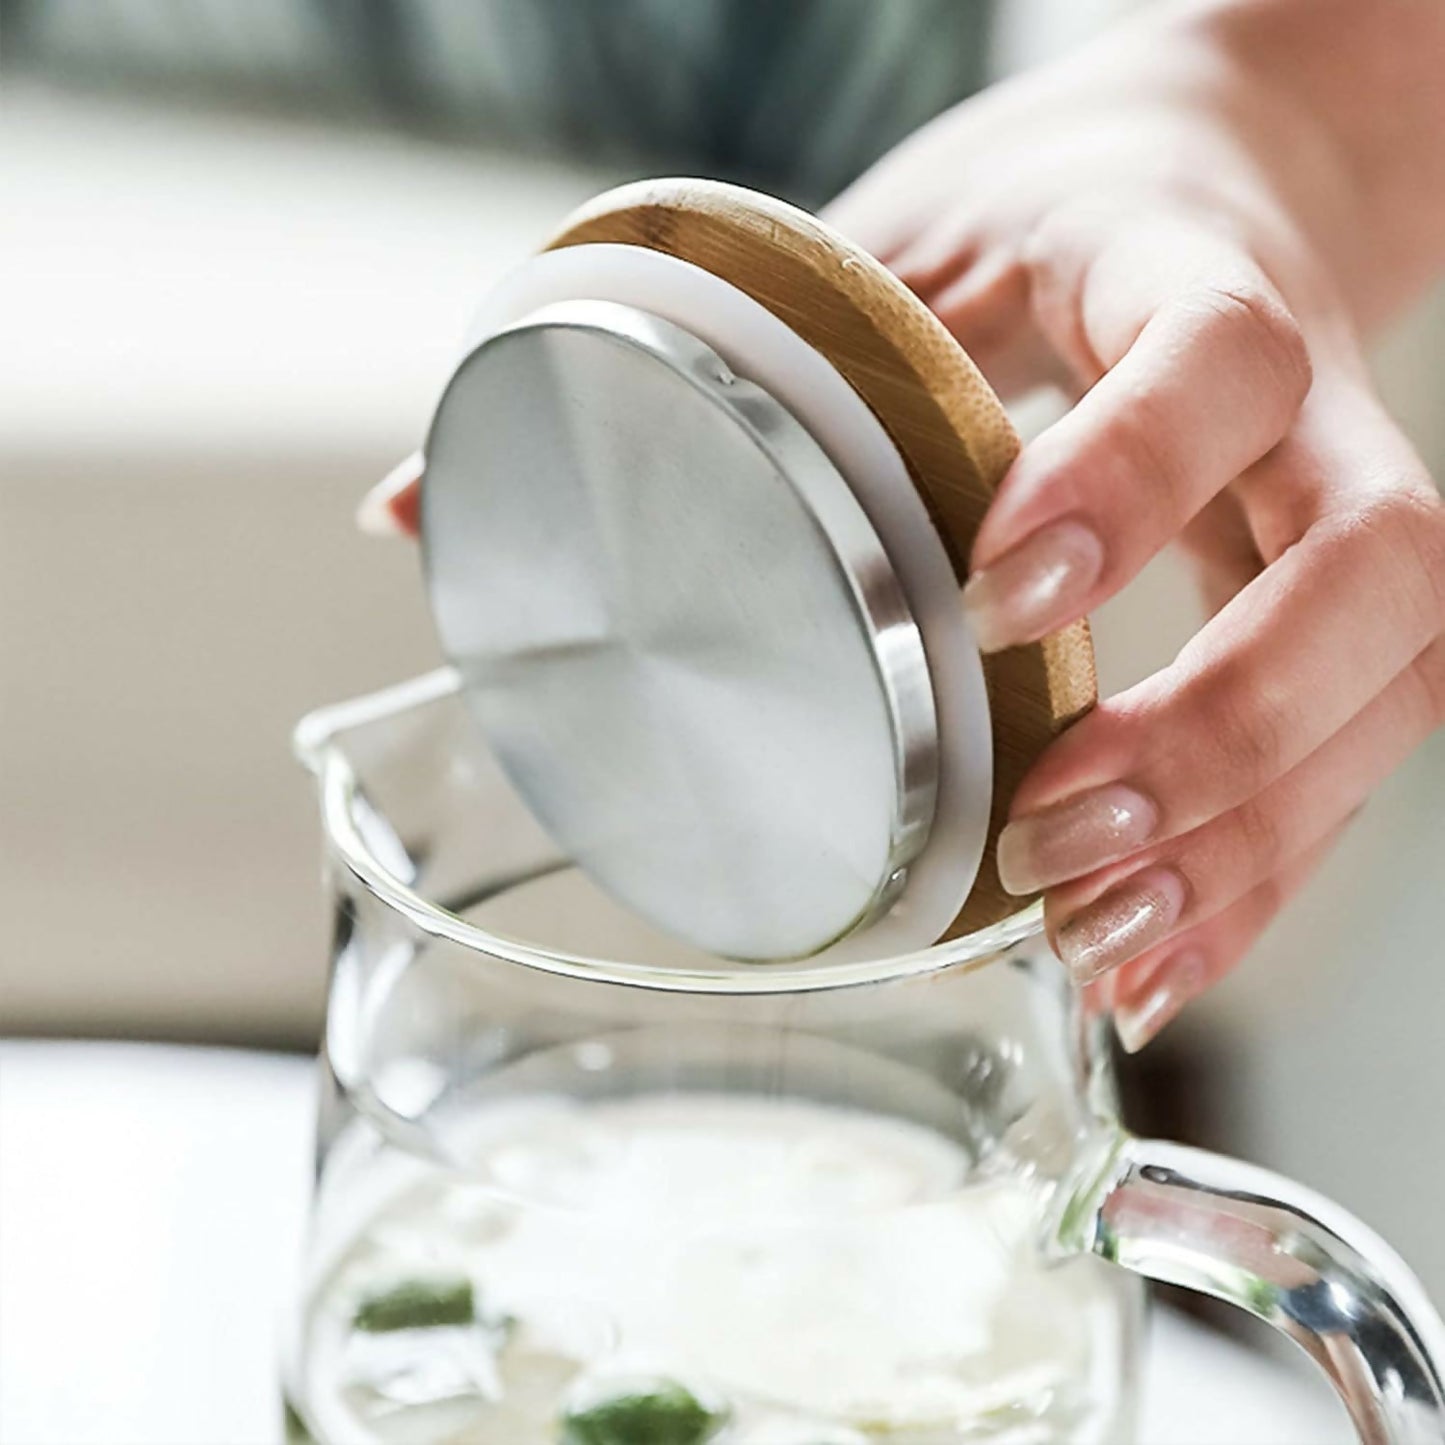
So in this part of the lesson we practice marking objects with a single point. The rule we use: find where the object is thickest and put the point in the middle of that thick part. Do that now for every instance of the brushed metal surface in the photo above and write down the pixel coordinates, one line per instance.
(679, 631)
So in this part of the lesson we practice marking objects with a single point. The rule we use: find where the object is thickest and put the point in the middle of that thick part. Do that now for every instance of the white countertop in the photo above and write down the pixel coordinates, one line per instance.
(151, 1206)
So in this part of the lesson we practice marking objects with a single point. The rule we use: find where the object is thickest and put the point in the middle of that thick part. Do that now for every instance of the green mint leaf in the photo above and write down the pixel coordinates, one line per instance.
(656, 1412)
(417, 1304)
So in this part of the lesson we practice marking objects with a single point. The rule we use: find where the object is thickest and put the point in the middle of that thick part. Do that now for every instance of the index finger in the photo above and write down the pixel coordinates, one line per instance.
(1203, 371)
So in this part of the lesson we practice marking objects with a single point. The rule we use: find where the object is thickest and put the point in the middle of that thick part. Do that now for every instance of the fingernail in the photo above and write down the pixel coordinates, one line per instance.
(1072, 838)
(1124, 922)
(1158, 998)
(389, 508)
(1040, 585)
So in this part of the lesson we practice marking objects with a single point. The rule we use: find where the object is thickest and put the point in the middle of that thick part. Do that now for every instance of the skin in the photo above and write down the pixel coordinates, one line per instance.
(1192, 226)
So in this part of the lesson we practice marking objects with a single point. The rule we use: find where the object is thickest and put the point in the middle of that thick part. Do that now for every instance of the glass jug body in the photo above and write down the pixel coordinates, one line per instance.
(814, 1203)
(579, 1187)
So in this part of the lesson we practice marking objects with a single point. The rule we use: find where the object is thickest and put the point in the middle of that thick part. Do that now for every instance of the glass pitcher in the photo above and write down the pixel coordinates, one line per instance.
(577, 1187)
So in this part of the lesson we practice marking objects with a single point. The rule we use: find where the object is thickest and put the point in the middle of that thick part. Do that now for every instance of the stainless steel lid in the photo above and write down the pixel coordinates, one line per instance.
(679, 631)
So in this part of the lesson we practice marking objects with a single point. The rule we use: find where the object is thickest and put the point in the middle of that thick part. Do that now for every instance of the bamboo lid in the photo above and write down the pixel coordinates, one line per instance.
(951, 430)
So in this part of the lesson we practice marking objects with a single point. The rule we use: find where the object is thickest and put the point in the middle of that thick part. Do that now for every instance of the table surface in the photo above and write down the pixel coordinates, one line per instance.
(151, 1207)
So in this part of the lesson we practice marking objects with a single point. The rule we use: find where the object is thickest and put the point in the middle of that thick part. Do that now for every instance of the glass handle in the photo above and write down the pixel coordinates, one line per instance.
(1291, 1258)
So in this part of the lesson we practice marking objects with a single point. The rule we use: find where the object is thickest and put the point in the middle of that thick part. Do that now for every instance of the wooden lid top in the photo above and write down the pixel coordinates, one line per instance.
(943, 417)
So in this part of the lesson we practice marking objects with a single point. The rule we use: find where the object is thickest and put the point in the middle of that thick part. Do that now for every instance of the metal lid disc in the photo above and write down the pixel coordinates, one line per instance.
(679, 631)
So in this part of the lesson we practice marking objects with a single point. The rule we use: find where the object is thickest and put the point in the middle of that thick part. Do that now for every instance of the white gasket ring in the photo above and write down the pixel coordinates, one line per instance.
(766, 351)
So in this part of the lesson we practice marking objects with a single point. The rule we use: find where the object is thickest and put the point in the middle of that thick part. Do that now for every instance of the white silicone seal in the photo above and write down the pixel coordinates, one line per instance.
(766, 351)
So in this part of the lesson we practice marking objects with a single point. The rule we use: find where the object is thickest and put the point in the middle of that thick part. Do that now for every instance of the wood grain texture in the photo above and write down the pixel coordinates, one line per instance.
(944, 418)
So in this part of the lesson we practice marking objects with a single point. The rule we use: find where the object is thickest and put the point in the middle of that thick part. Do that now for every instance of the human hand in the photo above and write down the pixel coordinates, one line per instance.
(1130, 225)
(1150, 226)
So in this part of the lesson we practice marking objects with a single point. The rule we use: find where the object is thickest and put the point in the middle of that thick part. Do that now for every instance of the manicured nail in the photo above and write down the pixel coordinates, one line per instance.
(1158, 998)
(1074, 837)
(1128, 918)
(1039, 585)
(389, 509)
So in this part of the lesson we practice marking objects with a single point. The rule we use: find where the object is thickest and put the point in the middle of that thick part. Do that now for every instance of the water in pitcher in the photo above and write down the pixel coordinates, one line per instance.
(685, 1268)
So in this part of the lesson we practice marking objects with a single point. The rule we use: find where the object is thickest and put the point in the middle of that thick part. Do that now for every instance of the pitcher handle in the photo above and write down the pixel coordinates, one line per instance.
(1286, 1255)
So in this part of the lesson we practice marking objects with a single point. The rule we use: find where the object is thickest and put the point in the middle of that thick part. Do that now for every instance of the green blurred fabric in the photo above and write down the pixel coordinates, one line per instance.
(795, 95)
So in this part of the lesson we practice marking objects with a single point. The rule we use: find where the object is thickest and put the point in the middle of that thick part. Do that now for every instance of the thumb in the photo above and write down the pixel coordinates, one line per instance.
(392, 508)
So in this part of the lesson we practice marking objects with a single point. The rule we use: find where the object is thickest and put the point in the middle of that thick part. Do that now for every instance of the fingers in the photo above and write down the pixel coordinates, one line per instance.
(1204, 370)
(1154, 989)
(392, 508)
(941, 253)
(885, 210)
(987, 308)
(1279, 671)
(1220, 544)
(1160, 893)
(908, 194)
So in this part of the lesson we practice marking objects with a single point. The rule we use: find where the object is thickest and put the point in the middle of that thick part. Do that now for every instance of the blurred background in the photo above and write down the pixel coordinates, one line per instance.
(239, 240)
